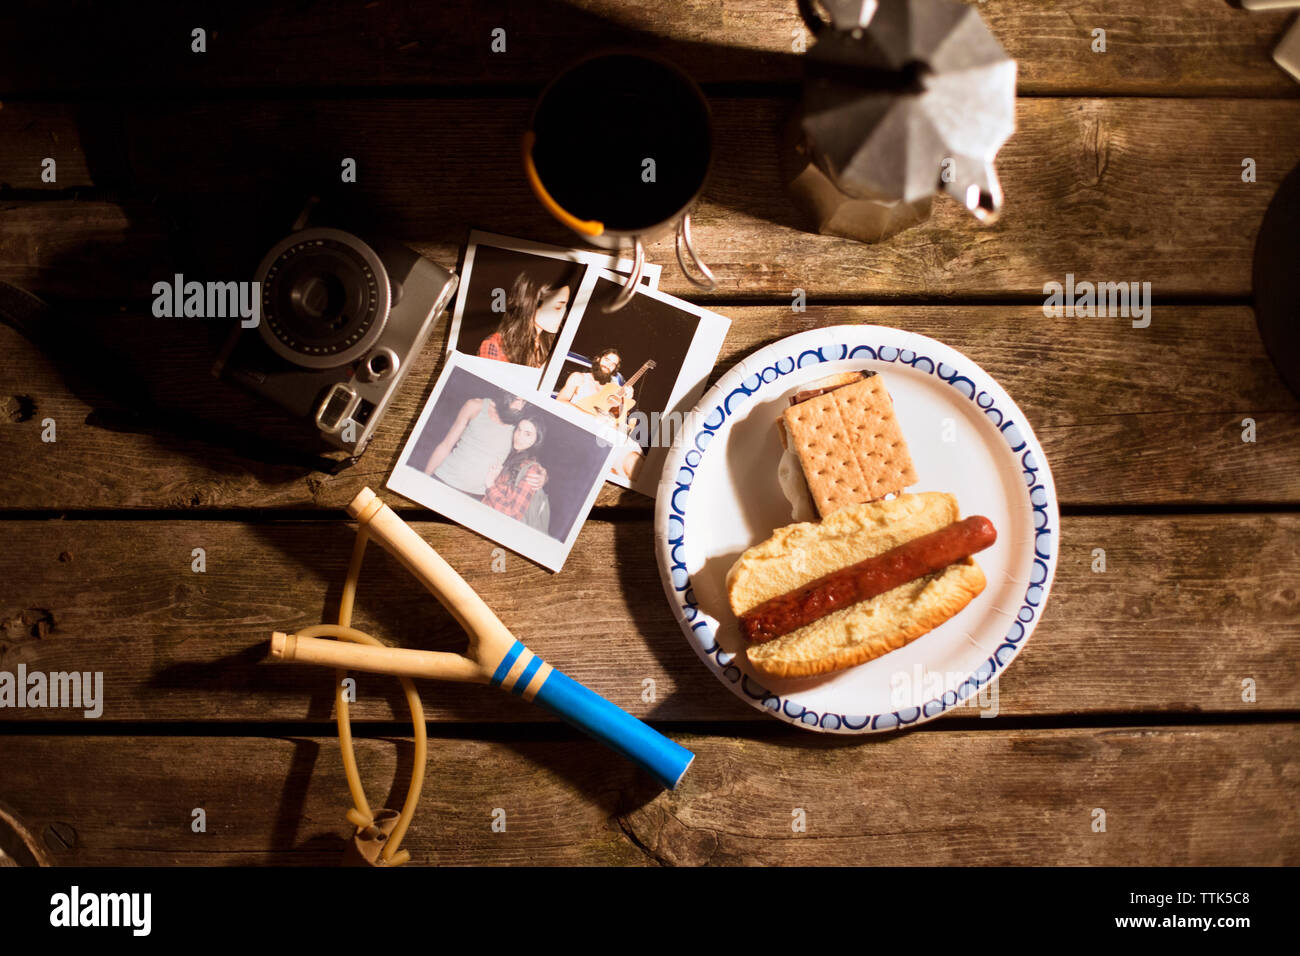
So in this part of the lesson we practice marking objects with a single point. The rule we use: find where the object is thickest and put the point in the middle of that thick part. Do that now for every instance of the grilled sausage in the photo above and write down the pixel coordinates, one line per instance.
(867, 579)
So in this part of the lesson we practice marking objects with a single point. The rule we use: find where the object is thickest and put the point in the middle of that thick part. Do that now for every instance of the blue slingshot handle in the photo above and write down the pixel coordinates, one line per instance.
(664, 759)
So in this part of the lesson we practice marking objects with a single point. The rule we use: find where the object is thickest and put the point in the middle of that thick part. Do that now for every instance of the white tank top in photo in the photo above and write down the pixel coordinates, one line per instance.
(484, 443)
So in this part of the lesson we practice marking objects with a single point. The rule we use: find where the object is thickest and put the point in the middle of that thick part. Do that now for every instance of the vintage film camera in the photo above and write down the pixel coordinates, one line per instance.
(342, 319)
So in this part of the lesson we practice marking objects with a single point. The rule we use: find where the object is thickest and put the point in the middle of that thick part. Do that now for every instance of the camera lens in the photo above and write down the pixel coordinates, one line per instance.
(325, 297)
(320, 298)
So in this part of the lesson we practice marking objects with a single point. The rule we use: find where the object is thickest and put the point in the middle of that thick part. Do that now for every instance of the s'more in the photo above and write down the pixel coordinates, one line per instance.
(847, 442)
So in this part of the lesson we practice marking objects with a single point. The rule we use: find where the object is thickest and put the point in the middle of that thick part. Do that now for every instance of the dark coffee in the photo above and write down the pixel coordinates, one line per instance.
(597, 126)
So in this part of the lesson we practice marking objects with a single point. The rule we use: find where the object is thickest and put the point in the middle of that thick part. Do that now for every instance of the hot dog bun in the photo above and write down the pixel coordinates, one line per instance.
(800, 553)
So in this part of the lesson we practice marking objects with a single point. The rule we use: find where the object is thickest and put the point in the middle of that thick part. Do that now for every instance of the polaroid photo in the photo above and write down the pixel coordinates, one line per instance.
(518, 468)
(637, 372)
(515, 295)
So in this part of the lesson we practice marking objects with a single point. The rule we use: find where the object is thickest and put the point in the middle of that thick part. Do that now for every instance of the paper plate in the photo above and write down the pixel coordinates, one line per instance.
(719, 495)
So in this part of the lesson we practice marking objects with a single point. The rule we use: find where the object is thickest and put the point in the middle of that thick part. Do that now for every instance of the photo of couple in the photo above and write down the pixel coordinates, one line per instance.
(522, 470)
(490, 452)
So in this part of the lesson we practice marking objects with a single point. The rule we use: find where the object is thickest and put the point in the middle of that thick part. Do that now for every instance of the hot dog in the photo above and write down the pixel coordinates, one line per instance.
(820, 597)
(867, 579)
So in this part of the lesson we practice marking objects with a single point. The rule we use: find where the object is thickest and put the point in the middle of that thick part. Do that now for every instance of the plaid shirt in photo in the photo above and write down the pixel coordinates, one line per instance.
(491, 347)
(513, 498)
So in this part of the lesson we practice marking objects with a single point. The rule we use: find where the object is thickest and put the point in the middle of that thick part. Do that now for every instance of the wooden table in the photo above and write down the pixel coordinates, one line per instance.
(1132, 697)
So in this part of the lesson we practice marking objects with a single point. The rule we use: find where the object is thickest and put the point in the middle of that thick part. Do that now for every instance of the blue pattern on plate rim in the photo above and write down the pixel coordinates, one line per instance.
(703, 634)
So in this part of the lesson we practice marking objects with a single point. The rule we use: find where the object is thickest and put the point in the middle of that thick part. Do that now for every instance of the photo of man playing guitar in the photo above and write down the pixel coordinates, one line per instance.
(603, 392)
(634, 369)
(580, 387)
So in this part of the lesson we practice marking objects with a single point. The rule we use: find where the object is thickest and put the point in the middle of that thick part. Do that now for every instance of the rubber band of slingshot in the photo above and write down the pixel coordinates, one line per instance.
(350, 771)
(360, 815)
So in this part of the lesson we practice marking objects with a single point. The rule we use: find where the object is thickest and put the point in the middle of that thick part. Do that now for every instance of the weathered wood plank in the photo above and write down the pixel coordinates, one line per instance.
(1184, 612)
(1126, 416)
(1146, 190)
(1175, 47)
(1223, 796)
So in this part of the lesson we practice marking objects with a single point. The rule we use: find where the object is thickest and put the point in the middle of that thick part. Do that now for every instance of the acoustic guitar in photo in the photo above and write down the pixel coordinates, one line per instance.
(609, 400)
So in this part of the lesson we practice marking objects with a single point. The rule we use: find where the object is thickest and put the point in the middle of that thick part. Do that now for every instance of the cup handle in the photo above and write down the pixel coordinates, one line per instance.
(633, 280)
(684, 239)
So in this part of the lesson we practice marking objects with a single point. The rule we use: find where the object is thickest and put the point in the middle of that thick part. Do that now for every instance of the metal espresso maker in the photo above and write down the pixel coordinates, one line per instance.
(902, 99)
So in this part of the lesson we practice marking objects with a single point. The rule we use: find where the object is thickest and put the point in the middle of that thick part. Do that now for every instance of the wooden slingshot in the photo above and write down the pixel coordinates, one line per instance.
(494, 656)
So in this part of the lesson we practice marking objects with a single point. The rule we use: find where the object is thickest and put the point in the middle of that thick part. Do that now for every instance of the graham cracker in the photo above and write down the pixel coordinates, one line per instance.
(850, 445)
(819, 387)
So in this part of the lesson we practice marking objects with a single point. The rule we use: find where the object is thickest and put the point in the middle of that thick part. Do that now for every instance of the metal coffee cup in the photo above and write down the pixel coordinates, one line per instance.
(619, 149)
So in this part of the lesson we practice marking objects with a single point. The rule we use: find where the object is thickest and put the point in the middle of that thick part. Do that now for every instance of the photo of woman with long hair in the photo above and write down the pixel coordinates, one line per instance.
(516, 487)
(534, 312)
(515, 298)
(490, 452)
